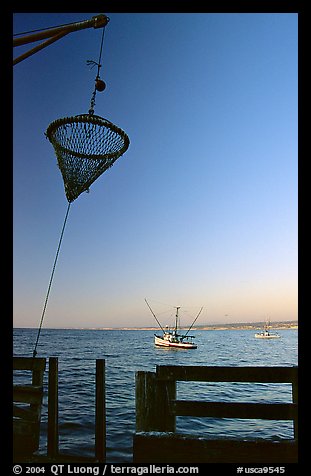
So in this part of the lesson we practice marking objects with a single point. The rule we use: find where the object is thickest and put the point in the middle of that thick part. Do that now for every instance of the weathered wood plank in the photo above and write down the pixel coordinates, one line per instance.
(153, 398)
(155, 447)
(227, 374)
(25, 437)
(26, 428)
(26, 413)
(295, 400)
(145, 395)
(28, 363)
(26, 418)
(268, 411)
(26, 432)
(27, 394)
(172, 448)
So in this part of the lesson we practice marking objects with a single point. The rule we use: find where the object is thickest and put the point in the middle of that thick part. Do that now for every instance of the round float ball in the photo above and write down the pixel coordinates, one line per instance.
(100, 85)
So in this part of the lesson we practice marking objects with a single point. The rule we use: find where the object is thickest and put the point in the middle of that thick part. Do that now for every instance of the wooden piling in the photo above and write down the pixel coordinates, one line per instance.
(100, 412)
(153, 408)
(295, 400)
(52, 443)
(26, 417)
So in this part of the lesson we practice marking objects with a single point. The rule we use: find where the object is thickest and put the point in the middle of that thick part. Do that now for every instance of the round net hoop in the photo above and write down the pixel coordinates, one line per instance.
(86, 146)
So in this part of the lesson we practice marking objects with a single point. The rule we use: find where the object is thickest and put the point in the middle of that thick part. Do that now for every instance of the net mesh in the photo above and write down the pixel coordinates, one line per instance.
(85, 146)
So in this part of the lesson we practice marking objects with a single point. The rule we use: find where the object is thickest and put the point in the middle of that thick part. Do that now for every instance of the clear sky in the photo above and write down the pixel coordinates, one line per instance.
(202, 208)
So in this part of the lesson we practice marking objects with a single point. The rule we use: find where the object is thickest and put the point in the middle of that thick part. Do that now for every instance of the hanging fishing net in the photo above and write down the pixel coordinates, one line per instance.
(86, 146)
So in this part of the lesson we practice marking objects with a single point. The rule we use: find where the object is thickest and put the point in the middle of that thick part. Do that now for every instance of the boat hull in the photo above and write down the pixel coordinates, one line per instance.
(159, 342)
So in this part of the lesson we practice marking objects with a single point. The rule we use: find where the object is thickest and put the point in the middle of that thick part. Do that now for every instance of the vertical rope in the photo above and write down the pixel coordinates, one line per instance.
(100, 52)
(92, 105)
(51, 279)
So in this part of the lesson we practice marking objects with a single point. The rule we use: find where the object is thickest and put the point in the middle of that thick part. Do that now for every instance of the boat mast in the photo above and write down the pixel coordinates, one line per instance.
(176, 320)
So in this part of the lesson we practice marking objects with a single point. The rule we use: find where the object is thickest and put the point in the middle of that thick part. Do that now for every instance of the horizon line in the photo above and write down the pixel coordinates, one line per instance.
(198, 327)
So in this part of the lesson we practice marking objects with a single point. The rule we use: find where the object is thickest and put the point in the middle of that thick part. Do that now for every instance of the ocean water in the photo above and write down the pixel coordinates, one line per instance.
(127, 351)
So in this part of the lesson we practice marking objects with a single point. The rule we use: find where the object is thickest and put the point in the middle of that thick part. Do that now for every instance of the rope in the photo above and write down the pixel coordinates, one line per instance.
(51, 279)
(100, 52)
(92, 105)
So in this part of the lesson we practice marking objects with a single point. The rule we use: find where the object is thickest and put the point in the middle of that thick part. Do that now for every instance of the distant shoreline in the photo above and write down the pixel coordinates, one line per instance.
(278, 325)
(217, 327)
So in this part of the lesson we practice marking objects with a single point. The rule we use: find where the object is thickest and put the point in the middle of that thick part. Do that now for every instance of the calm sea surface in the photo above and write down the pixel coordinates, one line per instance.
(125, 353)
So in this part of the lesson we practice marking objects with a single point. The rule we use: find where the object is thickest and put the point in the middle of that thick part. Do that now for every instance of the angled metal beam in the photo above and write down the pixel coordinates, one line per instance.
(55, 34)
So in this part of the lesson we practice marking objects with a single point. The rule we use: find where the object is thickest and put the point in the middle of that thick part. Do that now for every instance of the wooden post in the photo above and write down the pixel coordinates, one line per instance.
(165, 393)
(37, 380)
(153, 408)
(37, 373)
(52, 444)
(145, 393)
(100, 412)
(27, 419)
(295, 400)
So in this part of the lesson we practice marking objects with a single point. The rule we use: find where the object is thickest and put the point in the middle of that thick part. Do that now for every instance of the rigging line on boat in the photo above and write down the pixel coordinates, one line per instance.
(51, 279)
(169, 305)
(194, 321)
(154, 315)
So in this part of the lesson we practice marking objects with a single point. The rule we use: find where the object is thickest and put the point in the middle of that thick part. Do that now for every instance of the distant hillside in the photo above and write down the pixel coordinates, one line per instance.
(214, 327)
(249, 325)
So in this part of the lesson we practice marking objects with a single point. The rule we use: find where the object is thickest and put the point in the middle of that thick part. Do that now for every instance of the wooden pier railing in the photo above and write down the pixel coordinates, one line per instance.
(155, 440)
(27, 402)
(27, 405)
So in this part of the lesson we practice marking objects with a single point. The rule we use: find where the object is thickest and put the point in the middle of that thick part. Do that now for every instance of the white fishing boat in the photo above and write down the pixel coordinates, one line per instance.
(266, 334)
(171, 337)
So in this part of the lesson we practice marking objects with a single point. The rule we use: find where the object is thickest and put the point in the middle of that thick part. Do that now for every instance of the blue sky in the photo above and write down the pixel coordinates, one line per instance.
(202, 208)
